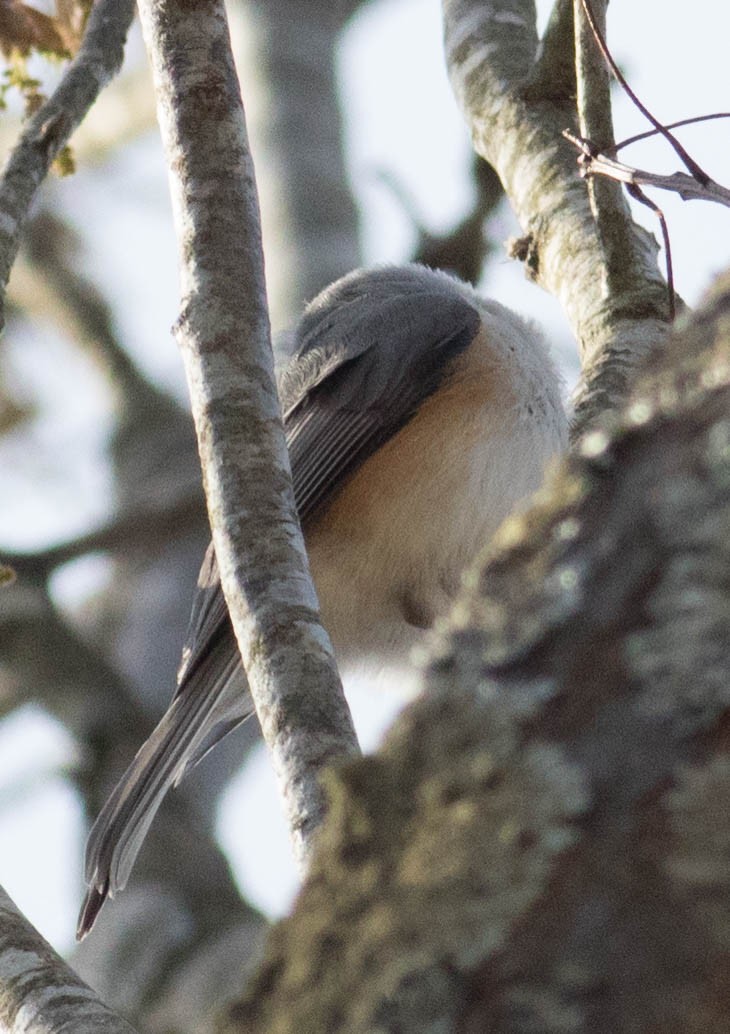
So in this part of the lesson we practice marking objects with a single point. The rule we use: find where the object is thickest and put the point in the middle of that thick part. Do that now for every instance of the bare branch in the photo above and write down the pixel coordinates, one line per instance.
(223, 332)
(695, 120)
(553, 74)
(46, 281)
(593, 92)
(122, 532)
(608, 203)
(38, 991)
(598, 28)
(593, 162)
(463, 249)
(638, 194)
(516, 122)
(98, 60)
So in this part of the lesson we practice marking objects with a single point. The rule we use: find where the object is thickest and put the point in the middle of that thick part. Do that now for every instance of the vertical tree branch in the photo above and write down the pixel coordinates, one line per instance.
(98, 60)
(593, 81)
(611, 212)
(310, 220)
(223, 331)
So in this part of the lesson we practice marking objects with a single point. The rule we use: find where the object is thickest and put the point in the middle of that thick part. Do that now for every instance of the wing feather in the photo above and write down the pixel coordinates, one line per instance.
(369, 351)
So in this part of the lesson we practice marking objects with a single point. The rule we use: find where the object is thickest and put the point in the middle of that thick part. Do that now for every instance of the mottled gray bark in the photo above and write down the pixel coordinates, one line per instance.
(542, 843)
(518, 95)
(38, 991)
(223, 332)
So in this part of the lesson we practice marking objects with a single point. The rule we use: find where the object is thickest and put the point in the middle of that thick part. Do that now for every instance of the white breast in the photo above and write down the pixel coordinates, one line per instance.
(389, 551)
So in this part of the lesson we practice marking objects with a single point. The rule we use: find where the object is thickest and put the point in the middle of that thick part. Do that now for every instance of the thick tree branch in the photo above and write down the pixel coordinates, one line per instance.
(537, 845)
(98, 60)
(516, 122)
(38, 991)
(223, 333)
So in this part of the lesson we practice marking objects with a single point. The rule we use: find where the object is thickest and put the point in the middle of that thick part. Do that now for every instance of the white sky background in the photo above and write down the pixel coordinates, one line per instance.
(402, 118)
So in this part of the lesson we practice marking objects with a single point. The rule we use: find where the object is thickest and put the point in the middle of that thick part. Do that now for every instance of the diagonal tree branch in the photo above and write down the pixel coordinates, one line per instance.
(40, 992)
(598, 29)
(223, 331)
(98, 60)
(554, 73)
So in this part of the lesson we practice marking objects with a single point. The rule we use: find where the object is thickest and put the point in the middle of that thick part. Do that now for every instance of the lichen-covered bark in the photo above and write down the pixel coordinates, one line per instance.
(542, 843)
(518, 96)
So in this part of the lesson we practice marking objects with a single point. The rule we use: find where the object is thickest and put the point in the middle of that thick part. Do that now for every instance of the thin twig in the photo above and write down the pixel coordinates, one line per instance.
(699, 174)
(611, 211)
(594, 163)
(638, 194)
(671, 125)
(98, 60)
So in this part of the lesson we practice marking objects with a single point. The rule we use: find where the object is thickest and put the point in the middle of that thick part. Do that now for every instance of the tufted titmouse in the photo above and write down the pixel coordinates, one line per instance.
(417, 415)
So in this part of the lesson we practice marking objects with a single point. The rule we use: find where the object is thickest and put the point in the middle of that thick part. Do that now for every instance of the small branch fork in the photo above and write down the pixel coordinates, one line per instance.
(691, 186)
(593, 162)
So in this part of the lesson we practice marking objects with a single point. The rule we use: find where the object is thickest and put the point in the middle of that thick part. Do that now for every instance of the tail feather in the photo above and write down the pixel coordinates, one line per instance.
(203, 711)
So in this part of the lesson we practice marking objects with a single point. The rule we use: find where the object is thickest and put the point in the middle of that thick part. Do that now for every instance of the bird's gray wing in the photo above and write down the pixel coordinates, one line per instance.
(369, 351)
(360, 378)
(359, 374)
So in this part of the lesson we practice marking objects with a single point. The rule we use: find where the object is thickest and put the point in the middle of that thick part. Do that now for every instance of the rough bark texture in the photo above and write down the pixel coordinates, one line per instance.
(518, 94)
(223, 332)
(38, 991)
(542, 843)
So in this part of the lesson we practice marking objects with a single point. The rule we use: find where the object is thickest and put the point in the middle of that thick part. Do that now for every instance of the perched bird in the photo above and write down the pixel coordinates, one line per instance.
(417, 415)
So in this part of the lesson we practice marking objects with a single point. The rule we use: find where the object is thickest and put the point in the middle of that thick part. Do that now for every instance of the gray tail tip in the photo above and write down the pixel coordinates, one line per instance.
(90, 909)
